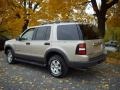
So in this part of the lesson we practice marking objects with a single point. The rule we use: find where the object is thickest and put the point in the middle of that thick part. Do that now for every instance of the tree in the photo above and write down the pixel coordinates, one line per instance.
(3, 6)
(114, 20)
(23, 13)
(30, 7)
(63, 10)
(101, 13)
(113, 24)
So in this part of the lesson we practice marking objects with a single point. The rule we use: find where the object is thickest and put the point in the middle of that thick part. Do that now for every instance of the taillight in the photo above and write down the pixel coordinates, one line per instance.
(81, 49)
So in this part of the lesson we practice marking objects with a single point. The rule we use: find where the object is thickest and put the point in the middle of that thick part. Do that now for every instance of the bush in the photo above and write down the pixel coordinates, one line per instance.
(115, 55)
(2, 42)
(112, 34)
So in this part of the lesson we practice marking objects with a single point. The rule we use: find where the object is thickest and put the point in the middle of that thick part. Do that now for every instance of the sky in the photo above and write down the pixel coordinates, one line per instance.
(89, 10)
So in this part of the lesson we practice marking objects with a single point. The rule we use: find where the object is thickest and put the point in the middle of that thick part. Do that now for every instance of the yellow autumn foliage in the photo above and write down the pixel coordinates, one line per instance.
(14, 27)
(50, 10)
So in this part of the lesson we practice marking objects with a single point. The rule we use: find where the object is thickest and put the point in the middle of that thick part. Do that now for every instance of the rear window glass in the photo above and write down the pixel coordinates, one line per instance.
(90, 32)
(67, 32)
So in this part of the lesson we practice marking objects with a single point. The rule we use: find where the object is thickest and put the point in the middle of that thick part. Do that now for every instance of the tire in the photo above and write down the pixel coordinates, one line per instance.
(57, 66)
(10, 56)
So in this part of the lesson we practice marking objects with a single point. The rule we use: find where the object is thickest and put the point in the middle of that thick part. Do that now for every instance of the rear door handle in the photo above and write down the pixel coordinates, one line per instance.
(27, 43)
(47, 43)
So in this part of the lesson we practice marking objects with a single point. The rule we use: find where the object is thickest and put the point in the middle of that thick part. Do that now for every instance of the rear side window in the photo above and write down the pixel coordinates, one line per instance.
(43, 33)
(67, 32)
(90, 32)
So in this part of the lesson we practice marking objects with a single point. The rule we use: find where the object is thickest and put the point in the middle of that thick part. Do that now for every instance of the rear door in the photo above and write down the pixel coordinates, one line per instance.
(67, 39)
(94, 43)
(41, 41)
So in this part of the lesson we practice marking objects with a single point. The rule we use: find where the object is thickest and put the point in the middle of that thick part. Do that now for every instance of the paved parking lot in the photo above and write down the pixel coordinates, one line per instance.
(23, 76)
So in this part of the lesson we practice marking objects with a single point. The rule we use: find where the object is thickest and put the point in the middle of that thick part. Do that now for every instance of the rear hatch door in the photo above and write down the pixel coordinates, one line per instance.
(94, 43)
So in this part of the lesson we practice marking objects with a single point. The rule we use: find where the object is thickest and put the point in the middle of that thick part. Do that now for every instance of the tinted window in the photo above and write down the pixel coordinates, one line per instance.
(89, 32)
(43, 33)
(47, 36)
(67, 32)
(28, 35)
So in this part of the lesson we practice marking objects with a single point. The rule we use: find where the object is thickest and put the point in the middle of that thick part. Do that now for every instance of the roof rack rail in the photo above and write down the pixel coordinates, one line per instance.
(51, 22)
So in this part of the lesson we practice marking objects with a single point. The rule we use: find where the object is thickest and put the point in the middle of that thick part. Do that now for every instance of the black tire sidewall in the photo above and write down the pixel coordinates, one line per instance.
(10, 50)
(64, 67)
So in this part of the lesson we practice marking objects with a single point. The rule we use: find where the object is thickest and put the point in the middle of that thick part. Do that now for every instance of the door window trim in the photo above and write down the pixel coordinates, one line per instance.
(26, 32)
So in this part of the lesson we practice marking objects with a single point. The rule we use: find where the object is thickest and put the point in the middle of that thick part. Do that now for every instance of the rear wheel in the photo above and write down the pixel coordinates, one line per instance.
(57, 66)
(10, 56)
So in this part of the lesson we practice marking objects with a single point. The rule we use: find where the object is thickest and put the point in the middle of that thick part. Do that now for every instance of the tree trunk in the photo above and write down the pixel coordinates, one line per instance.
(25, 25)
(101, 14)
(101, 24)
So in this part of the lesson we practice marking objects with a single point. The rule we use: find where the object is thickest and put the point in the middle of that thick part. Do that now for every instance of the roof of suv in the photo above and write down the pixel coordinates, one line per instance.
(58, 23)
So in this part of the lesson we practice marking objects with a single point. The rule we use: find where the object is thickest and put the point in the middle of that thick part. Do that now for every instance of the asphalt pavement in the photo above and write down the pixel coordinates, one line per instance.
(21, 76)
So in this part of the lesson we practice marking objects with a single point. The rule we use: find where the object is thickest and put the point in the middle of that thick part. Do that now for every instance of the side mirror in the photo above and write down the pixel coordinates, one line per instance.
(21, 38)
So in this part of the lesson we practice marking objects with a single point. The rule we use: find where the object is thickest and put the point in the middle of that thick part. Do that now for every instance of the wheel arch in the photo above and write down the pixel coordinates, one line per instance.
(52, 52)
(6, 48)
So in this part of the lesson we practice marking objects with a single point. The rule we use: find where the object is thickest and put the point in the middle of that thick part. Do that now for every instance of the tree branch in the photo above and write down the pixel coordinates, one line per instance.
(109, 5)
(83, 3)
(30, 4)
(95, 7)
(35, 6)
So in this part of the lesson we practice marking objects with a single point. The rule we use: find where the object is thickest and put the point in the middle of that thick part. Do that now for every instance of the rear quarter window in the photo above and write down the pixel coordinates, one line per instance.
(90, 32)
(67, 32)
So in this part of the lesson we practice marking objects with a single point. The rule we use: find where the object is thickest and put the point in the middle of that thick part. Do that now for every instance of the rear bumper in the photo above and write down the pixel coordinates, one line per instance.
(91, 62)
